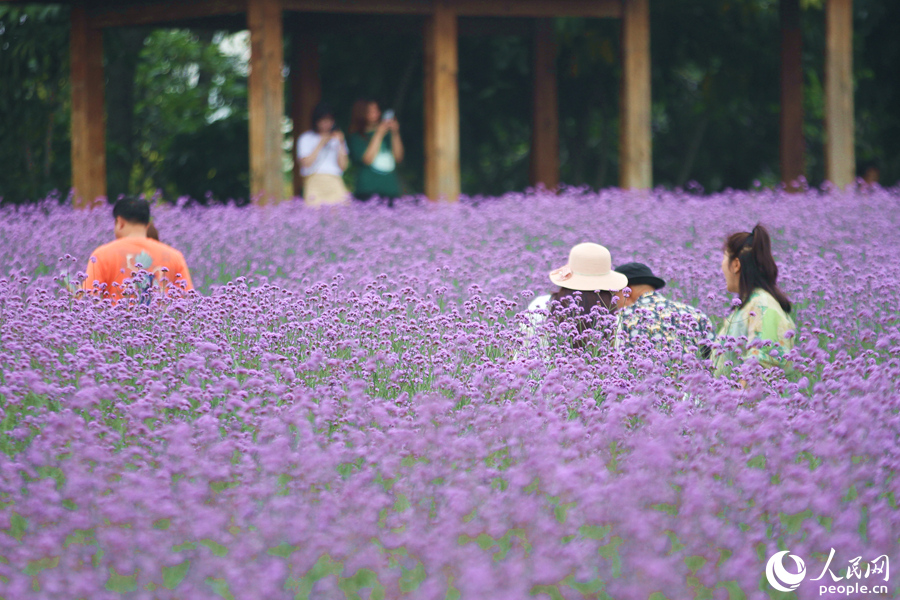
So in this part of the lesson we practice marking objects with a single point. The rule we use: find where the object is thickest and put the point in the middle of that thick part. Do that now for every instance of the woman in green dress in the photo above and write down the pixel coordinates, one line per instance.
(377, 149)
(762, 315)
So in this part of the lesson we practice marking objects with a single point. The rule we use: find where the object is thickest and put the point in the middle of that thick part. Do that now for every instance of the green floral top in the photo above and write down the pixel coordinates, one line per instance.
(668, 325)
(761, 319)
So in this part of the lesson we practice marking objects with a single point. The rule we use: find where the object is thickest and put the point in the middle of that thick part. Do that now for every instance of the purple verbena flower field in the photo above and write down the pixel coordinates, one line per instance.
(350, 406)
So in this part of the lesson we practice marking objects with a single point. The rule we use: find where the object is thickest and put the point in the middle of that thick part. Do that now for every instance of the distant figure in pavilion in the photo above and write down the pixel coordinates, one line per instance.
(115, 264)
(585, 282)
(323, 159)
(376, 146)
(761, 321)
(647, 318)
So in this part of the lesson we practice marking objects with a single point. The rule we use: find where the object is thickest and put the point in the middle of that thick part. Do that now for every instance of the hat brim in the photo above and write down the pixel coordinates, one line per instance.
(654, 282)
(611, 282)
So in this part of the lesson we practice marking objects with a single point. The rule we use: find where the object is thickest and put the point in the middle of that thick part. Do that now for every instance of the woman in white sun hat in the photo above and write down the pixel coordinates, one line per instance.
(589, 274)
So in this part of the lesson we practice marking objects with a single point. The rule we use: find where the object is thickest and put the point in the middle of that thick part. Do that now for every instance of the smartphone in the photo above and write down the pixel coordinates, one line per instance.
(388, 115)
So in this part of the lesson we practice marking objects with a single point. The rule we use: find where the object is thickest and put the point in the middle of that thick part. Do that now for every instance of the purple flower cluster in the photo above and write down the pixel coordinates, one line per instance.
(352, 405)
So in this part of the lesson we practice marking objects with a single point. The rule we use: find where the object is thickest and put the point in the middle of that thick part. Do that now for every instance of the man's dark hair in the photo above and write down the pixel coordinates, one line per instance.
(133, 210)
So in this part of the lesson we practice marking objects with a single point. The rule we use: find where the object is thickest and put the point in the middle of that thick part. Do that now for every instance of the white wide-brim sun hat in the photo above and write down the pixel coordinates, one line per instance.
(589, 269)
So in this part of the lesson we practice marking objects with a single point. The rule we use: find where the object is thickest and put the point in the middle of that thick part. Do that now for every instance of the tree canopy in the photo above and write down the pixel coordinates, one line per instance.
(176, 100)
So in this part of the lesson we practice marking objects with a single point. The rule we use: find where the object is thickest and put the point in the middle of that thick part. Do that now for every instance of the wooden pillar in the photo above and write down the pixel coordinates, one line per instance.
(306, 90)
(636, 152)
(88, 123)
(793, 147)
(442, 178)
(545, 124)
(840, 154)
(266, 99)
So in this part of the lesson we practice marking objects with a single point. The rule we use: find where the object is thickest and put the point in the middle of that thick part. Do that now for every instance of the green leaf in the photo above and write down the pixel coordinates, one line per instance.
(121, 583)
(172, 576)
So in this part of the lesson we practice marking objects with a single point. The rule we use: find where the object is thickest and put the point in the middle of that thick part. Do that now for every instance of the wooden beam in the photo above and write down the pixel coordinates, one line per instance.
(306, 91)
(88, 109)
(442, 178)
(793, 146)
(174, 11)
(545, 123)
(495, 26)
(636, 151)
(266, 99)
(539, 8)
(354, 24)
(397, 7)
(162, 12)
(840, 153)
(479, 8)
(406, 25)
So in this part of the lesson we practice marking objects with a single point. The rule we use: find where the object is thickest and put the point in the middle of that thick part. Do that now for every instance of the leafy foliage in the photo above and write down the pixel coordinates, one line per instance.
(34, 101)
(184, 86)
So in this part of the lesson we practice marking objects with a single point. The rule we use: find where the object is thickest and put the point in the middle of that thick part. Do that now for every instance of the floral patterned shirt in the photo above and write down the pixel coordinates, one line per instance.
(760, 320)
(668, 325)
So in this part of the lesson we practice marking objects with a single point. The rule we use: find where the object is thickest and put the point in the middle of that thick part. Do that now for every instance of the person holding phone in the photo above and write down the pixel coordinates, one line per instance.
(376, 146)
(323, 158)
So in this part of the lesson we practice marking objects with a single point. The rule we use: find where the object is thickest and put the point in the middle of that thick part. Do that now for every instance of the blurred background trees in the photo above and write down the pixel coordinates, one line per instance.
(176, 100)
(34, 102)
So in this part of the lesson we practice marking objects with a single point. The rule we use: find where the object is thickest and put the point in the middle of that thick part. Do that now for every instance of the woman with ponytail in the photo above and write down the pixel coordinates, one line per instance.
(762, 314)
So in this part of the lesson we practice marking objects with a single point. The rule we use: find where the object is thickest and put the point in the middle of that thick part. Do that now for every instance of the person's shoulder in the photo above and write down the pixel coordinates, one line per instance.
(158, 248)
(114, 247)
(104, 248)
(171, 250)
(753, 301)
(308, 140)
(768, 304)
(760, 298)
(685, 307)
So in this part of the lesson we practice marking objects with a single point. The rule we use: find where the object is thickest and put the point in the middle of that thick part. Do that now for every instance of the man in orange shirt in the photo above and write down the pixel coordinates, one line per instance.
(113, 263)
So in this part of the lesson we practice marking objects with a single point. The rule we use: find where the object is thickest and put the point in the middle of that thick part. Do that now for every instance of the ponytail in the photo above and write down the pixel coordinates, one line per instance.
(758, 268)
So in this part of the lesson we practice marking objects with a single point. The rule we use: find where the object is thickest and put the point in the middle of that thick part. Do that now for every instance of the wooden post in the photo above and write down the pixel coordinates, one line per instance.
(793, 147)
(266, 99)
(840, 154)
(545, 124)
(442, 178)
(306, 91)
(636, 151)
(88, 124)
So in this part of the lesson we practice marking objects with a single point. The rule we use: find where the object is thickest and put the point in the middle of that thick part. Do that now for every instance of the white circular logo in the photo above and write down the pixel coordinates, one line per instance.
(778, 576)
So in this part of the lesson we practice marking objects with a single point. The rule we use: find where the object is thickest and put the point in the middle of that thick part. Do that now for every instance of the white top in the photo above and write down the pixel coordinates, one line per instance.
(534, 318)
(326, 162)
(540, 303)
(533, 313)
